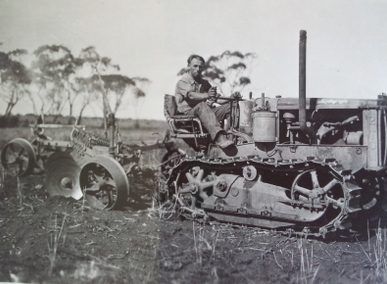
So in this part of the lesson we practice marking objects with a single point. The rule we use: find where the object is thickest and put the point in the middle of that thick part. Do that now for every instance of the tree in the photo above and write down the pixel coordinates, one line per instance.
(88, 83)
(100, 79)
(14, 78)
(139, 92)
(116, 87)
(91, 61)
(88, 92)
(54, 69)
(61, 81)
(230, 71)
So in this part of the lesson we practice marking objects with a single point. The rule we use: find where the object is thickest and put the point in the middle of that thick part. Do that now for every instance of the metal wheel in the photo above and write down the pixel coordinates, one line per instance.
(104, 183)
(18, 157)
(62, 176)
(318, 188)
(372, 192)
(193, 186)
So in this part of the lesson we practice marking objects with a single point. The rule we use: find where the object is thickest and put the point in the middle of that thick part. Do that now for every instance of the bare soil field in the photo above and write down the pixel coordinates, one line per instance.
(58, 240)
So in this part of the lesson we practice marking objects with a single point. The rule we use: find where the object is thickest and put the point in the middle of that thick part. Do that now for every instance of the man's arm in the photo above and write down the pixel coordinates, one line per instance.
(202, 96)
(235, 95)
(184, 90)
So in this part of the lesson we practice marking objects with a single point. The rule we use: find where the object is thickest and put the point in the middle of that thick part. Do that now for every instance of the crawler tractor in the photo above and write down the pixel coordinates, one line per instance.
(308, 165)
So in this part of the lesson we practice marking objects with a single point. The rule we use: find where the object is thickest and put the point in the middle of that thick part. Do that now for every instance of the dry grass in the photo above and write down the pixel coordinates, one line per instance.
(308, 267)
(19, 186)
(2, 180)
(163, 211)
(54, 239)
(199, 241)
(380, 254)
(377, 256)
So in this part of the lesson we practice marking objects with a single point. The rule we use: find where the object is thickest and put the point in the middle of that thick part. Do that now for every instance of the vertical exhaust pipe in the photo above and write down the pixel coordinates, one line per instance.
(302, 87)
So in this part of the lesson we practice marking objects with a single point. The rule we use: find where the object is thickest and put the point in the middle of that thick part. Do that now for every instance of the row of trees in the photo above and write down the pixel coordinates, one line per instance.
(54, 80)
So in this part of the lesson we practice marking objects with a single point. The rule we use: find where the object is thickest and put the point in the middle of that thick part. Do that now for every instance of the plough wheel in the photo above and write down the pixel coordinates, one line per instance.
(104, 183)
(62, 176)
(18, 157)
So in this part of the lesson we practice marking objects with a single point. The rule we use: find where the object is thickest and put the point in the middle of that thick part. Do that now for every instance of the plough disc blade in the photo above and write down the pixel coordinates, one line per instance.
(62, 176)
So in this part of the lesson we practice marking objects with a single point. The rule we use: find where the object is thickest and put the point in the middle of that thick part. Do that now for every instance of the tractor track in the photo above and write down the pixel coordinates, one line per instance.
(349, 204)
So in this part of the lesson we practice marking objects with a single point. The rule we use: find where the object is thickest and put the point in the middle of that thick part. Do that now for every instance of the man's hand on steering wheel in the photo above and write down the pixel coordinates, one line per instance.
(236, 95)
(212, 93)
(212, 96)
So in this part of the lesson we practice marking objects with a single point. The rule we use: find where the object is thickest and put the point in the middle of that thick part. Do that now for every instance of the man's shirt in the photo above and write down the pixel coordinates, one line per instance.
(186, 85)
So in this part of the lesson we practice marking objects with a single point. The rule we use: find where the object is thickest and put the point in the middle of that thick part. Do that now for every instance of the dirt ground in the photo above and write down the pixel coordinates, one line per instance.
(57, 240)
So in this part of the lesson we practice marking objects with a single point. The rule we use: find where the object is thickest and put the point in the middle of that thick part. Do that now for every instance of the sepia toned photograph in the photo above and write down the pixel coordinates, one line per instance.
(182, 141)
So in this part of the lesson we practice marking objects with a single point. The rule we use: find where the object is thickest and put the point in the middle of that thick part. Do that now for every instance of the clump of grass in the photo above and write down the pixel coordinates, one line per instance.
(198, 243)
(53, 241)
(87, 271)
(83, 199)
(2, 181)
(376, 256)
(380, 255)
(163, 211)
(308, 268)
(202, 245)
(19, 191)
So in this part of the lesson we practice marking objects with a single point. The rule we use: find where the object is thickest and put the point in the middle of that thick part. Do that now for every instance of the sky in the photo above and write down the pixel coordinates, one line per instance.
(346, 45)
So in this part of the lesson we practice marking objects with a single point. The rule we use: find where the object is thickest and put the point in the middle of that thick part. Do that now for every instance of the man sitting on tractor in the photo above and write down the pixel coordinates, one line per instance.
(195, 96)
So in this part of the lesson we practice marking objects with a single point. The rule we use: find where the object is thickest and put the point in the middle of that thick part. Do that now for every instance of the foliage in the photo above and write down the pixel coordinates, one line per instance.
(87, 82)
(93, 60)
(54, 67)
(116, 86)
(229, 71)
(55, 81)
(105, 85)
(14, 78)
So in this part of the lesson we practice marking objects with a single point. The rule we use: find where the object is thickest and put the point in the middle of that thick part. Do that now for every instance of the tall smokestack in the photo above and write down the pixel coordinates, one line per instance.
(302, 87)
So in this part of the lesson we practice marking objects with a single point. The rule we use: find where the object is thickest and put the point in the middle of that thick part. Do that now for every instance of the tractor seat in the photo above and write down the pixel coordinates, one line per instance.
(181, 125)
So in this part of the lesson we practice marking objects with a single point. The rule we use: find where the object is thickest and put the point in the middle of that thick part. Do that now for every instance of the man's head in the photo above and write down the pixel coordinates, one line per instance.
(195, 65)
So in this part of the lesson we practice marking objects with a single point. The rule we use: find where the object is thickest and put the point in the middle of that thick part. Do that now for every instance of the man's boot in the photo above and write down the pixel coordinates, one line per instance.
(222, 141)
